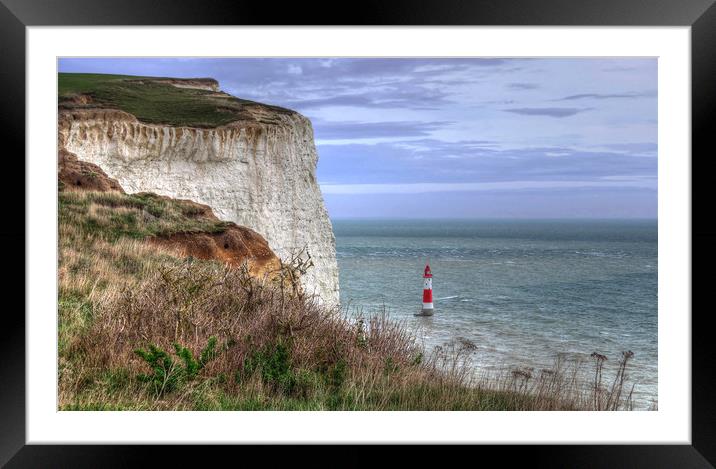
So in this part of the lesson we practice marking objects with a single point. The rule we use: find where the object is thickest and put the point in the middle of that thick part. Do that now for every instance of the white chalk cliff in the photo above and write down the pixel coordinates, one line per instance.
(258, 172)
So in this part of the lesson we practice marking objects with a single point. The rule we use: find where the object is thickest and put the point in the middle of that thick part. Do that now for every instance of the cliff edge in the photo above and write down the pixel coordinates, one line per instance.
(253, 164)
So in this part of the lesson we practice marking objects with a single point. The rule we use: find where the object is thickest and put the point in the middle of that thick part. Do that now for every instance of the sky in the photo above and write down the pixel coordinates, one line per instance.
(457, 137)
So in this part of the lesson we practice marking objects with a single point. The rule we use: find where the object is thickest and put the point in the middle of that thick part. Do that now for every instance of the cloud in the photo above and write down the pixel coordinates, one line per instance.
(633, 148)
(547, 111)
(523, 86)
(437, 147)
(340, 100)
(620, 69)
(428, 187)
(431, 161)
(294, 69)
(628, 95)
(382, 83)
(397, 97)
(368, 130)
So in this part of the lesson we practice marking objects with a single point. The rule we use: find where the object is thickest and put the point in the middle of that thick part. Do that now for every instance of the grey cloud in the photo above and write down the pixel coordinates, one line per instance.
(389, 98)
(547, 111)
(378, 83)
(523, 86)
(619, 69)
(340, 100)
(628, 95)
(364, 130)
(640, 148)
(430, 160)
(365, 69)
(502, 102)
(418, 84)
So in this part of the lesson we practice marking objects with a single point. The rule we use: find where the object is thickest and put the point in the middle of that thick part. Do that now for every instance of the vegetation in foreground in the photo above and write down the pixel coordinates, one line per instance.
(141, 329)
(153, 101)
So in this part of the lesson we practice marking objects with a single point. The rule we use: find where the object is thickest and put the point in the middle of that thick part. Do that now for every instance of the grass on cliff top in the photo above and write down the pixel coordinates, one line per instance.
(140, 329)
(153, 102)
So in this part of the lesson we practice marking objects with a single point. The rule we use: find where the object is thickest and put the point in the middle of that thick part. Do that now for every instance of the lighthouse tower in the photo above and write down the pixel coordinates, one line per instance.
(427, 292)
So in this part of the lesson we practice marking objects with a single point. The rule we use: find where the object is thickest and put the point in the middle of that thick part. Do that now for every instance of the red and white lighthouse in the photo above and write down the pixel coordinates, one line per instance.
(427, 292)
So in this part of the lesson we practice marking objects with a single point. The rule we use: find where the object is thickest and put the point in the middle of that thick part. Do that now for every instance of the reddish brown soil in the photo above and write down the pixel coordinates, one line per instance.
(74, 174)
(234, 246)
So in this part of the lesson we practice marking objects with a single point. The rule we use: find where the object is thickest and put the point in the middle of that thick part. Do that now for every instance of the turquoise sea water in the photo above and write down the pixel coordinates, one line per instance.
(521, 291)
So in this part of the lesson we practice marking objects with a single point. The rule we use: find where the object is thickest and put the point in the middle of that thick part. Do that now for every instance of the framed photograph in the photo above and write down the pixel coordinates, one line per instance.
(453, 224)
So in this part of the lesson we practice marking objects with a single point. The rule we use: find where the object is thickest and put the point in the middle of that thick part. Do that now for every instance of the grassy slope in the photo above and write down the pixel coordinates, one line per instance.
(275, 350)
(155, 103)
(101, 246)
(112, 215)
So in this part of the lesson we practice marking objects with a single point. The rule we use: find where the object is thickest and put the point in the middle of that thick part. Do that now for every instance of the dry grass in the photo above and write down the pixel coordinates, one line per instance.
(276, 349)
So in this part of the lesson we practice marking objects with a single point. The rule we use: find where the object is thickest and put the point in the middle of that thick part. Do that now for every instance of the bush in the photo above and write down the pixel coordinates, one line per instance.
(337, 375)
(274, 363)
(164, 376)
(167, 375)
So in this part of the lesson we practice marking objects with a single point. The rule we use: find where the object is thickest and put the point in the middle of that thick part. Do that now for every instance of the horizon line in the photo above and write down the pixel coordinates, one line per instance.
(606, 218)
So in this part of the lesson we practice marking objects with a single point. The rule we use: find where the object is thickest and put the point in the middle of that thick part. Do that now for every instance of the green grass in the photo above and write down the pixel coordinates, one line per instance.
(112, 391)
(88, 83)
(153, 102)
(113, 215)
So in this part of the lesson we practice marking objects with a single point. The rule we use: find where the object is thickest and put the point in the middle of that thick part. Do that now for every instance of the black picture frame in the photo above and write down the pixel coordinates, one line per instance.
(16, 15)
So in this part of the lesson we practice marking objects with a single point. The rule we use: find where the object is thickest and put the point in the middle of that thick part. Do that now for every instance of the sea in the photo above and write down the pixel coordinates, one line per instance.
(522, 291)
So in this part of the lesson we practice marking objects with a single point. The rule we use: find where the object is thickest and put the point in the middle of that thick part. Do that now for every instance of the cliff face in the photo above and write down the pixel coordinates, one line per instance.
(258, 172)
